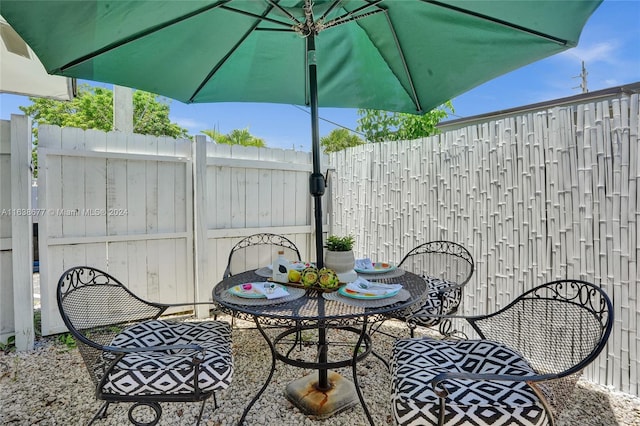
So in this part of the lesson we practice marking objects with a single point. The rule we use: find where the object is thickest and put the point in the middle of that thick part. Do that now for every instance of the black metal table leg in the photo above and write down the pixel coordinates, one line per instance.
(324, 392)
(354, 371)
(266, 383)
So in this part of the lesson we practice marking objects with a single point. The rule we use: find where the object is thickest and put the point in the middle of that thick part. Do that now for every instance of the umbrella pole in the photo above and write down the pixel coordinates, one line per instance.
(316, 187)
(316, 180)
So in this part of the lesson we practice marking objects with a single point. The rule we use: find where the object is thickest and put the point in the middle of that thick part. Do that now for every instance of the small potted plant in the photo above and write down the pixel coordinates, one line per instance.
(339, 257)
(335, 243)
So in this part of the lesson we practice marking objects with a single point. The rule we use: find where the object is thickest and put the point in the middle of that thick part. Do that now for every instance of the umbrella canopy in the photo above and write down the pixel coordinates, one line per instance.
(394, 55)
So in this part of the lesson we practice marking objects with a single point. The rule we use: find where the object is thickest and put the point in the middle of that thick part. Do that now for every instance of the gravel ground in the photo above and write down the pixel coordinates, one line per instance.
(50, 386)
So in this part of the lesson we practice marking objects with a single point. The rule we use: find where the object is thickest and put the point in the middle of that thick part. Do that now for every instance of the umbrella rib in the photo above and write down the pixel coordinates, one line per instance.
(139, 35)
(231, 51)
(345, 19)
(416, 100)
(330, 9)
(286, 12)
(260, 17)
(500, 22)
(348, 17)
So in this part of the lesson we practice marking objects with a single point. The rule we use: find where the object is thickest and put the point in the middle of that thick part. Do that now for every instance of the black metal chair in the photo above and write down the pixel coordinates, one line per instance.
(452, 267)
(522, 370)
(256, 251)
(132, 355)
(259, 250)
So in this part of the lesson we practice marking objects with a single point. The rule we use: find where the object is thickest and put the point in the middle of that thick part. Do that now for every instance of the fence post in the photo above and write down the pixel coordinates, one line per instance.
(202, 282)
(21, 231)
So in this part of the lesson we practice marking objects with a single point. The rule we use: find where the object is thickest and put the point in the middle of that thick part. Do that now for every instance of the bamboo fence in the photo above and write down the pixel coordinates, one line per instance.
(535, 196)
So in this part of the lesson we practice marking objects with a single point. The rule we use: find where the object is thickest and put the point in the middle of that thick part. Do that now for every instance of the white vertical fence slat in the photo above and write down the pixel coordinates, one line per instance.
(535, 196)
(7, 324)
(634, 237)
(16, 292)
(22, 246)
(201, 271)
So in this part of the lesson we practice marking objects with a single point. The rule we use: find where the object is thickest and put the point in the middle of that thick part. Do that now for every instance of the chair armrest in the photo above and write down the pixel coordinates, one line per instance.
(117, 349)
(449, 288)
(175, 305)
(438, 381)
(467, 318)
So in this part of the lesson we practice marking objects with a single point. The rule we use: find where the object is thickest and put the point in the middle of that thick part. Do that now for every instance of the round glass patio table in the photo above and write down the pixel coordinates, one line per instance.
(306, 309)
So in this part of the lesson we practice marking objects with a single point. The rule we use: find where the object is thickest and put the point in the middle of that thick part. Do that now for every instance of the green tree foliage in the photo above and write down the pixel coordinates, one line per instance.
(379, 126)
(92, 108)
(235, 137)
(339, 139)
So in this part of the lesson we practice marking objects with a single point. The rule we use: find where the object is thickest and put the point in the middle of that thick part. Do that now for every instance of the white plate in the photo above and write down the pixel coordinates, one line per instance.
(250, 293)
(378, 268)
(365, 296)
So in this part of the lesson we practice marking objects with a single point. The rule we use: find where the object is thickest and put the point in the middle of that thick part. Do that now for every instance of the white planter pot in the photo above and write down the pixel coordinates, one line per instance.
(343, 263)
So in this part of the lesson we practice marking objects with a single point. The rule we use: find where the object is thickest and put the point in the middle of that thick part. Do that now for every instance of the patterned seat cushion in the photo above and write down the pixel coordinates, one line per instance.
(416, 362)
(438, 298)
(171, 372)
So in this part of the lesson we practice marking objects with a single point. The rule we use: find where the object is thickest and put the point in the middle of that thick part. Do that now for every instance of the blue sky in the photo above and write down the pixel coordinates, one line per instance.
(609, 46)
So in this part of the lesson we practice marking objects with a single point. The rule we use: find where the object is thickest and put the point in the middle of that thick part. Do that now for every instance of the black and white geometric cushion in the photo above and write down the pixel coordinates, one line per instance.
(171, 372)
(416, 362)
(439, 302)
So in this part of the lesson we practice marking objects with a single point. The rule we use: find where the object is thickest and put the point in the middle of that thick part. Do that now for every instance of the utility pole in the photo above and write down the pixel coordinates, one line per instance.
(122, 109)
(583, 77)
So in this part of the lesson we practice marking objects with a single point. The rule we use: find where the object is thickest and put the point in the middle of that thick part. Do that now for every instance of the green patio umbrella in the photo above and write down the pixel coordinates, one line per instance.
(394, 55)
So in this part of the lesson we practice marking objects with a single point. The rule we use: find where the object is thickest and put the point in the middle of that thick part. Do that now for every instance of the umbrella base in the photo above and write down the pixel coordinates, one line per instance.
(305, 395)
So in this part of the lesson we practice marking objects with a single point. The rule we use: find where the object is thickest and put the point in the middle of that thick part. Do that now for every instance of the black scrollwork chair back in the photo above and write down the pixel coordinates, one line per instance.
(522, 369)
(259, 250)
(446, 267)
(134, 356)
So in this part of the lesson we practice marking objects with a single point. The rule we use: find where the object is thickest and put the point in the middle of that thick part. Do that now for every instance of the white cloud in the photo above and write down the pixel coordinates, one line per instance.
(598, 52)
(190, 124)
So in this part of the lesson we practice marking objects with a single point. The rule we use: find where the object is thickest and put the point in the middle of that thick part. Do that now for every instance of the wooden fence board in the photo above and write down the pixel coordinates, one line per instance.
(7, 324)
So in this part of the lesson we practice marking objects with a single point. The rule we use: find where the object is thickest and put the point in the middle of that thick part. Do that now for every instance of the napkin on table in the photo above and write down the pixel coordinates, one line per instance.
(361, 285)
(364, 263)
(279, 291)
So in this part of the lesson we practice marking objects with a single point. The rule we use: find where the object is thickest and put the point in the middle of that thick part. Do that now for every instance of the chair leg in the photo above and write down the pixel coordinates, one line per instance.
(101, 414)
(297, 340)
(412, 330)
(376, 328)
(202, 408)
(215, 313)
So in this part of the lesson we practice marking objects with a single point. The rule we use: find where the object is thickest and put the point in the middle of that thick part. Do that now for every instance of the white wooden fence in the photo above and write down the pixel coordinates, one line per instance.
(118, 202)
(157, 213)
(538, 196)
(15, 232)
